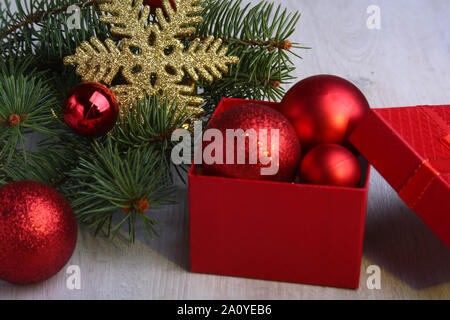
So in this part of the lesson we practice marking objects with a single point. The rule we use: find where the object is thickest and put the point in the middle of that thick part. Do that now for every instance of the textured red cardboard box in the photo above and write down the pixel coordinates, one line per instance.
(276, 231)
(410, 147)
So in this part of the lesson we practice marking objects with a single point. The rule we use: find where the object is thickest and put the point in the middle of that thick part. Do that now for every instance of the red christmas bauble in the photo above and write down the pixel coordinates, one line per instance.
(38, 232)
(324, 109)
(330, 164)
(258, 145)
(90, 109)
(157, 4)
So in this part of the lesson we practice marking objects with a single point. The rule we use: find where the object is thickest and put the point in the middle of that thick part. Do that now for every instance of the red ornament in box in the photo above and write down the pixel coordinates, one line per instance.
(332, 165)
(255, 117)
(91, 109)
(38, 232)
(324, 109)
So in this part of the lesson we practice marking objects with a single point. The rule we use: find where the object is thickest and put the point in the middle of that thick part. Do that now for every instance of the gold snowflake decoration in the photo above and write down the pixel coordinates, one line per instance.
(150, 56)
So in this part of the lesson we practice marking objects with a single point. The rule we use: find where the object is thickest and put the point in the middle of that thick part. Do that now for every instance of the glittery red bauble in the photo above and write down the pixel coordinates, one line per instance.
(157, 4)
(38, 232)
(256, 117)
(330, 164)
(91, 109)
(324, 109)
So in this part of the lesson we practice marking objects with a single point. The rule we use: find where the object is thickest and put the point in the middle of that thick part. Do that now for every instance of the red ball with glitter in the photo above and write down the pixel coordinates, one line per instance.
(324, 109)
(38, 232)
(91, 110)
(332, 165)
(254, 153)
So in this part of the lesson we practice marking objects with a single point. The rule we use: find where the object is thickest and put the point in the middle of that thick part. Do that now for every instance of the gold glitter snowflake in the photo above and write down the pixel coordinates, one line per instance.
(150, 56)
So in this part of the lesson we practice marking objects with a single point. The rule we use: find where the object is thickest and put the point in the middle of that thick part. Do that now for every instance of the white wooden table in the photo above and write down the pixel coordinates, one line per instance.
(406, 62)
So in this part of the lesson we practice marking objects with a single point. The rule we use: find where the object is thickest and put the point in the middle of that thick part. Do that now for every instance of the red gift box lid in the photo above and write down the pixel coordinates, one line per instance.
(410, 148)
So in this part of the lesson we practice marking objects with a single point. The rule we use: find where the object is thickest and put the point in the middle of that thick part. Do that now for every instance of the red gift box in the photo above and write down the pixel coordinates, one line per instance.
(276, 231)
(410, 148)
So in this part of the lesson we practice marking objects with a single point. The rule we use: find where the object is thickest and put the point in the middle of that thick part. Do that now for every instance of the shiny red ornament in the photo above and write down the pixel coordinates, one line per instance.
(324, 109)
(157, 4)
(332, 165)
(38, 232)
(256, 117)
(91, 109)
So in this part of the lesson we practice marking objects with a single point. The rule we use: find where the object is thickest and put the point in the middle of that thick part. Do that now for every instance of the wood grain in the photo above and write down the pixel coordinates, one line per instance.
(407, 62)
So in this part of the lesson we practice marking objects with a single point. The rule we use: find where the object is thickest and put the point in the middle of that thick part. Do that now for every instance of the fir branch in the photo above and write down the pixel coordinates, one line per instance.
(46, 166)
(257, 26)
(38, 16)
(151, 121)
(47, 35)
(113, 183)
(20, 65)
(25, 103)
(259, 36)
(55, 40)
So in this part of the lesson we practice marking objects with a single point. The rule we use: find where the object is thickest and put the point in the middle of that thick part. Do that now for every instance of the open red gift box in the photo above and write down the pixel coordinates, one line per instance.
(314, 234)
(276, 230)
(410, 148)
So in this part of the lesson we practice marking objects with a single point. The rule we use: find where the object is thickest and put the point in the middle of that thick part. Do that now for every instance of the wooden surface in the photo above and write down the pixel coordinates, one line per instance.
(407, 62)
